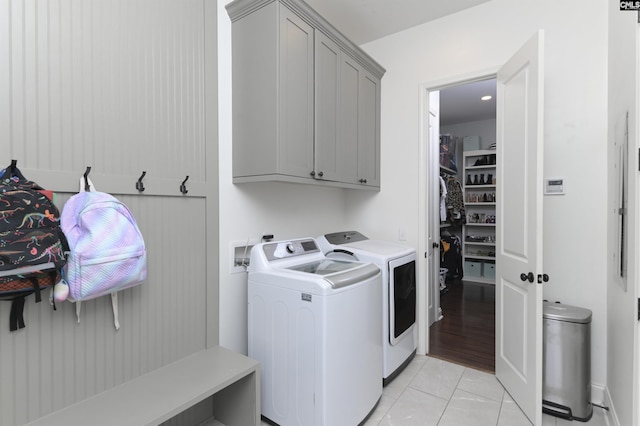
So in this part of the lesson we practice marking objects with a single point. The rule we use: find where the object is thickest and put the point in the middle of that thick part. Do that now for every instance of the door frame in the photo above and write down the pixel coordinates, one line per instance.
(634, 237)
(424, 186)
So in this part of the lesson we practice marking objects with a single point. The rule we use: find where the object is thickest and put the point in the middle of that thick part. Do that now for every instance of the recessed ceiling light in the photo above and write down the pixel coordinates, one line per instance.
(486, 98)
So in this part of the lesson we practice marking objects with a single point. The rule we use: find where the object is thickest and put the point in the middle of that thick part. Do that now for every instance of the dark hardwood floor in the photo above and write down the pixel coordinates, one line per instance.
(466, 333)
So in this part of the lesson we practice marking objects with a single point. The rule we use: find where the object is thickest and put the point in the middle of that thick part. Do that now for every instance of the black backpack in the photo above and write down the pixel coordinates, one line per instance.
(32, 246)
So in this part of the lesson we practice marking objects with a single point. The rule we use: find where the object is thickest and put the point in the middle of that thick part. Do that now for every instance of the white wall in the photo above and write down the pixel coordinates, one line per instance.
(248, 211)
(622, 352)
(479, 39)
(466, 43)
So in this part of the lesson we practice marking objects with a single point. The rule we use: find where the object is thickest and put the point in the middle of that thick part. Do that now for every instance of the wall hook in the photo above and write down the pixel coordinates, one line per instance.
(139, 184)
(183, 187)
(87, 187)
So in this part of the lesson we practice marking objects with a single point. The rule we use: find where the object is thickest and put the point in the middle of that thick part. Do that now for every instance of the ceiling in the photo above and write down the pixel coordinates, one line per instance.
(462, 104)
(363, 21)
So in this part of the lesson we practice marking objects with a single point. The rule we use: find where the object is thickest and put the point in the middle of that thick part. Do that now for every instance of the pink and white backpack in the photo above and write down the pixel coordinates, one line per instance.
(107, 250)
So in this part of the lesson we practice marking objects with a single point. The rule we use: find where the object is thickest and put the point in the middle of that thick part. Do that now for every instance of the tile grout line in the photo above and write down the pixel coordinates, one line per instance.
(451, 397)
(500, 410)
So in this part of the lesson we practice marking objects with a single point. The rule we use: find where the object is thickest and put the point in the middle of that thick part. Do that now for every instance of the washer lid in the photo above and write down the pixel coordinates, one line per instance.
(339, 273)
(566, 313)
(324, 266)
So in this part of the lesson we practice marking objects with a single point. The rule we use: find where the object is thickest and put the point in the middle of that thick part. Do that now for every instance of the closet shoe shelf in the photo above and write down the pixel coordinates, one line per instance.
(480, 185)
(482, 167)
(479, 231)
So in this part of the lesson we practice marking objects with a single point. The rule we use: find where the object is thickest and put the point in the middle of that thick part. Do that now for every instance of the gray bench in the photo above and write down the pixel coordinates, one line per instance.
(230, 379)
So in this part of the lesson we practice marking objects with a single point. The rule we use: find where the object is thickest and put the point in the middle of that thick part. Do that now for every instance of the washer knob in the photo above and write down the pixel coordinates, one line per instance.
(290, 248)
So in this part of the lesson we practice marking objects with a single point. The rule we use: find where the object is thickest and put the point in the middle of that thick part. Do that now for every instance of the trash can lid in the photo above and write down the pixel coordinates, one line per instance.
(566, 313)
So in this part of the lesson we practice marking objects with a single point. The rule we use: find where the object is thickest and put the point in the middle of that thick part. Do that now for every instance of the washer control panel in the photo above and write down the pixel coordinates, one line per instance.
(338, 238)
(285, 249)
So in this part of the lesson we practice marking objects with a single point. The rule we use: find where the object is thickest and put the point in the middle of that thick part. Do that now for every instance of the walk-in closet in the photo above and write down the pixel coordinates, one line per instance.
(464, 331)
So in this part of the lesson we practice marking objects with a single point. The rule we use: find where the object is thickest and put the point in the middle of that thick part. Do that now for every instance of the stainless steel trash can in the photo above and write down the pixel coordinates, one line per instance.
(566, 390)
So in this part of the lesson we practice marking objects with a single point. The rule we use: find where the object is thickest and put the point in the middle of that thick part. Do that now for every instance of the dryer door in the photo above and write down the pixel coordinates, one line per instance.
(402, 297)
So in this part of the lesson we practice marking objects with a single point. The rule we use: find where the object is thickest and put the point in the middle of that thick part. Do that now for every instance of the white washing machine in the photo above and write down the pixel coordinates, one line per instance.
(314, 326)
(398, 265)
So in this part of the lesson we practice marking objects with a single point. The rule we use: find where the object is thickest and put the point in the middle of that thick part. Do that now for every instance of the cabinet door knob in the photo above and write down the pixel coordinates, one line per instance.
(313, 173)
(363, 181)
(321, 174)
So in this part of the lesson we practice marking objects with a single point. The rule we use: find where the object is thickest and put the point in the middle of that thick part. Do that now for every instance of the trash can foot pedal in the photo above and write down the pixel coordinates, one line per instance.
(563, 411)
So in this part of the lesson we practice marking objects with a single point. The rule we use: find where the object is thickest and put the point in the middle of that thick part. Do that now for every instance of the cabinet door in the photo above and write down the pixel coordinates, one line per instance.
(327, 68)
(348, 110)
(369, 130)
(295, 95)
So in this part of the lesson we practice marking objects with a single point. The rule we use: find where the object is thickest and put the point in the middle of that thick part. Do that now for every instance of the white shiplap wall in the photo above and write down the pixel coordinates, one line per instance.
(118, 85)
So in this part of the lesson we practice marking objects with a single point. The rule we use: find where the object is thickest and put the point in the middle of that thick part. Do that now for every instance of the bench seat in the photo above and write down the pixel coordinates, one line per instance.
(231, 379)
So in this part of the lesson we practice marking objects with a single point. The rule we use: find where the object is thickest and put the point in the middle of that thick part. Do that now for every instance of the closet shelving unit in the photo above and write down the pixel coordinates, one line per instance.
(447, 171)
(479, 231)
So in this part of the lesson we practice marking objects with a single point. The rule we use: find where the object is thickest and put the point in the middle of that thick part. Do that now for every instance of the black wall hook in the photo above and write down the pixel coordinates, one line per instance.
(87, 187)
(139, 184)
(183, 187)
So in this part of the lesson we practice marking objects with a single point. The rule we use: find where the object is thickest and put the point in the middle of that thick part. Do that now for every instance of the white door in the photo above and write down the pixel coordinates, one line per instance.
(519, 227)
(433, 240)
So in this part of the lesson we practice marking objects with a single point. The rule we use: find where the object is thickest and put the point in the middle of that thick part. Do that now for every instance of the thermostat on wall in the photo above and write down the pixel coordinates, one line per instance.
(554, 186)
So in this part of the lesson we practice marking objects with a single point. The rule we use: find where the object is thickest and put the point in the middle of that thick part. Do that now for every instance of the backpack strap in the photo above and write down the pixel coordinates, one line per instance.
(85, 183)
(64, 242)
(16, 318)
(12, 170)
(87, 186)
(114, 306)
(36, 288)
(53, 274)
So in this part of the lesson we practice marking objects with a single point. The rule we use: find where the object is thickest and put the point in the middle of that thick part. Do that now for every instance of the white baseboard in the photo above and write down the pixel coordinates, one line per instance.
(601, 396)
(598, 394)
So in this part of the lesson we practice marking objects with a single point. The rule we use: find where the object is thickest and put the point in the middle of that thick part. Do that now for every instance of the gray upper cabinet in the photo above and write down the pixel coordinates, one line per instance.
(336, 149)
(369, 130)
(296, 95)
(360, 121)
(306, 101)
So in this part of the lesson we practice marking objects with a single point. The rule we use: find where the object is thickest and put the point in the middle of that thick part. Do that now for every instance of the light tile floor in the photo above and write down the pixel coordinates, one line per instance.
(432, 392)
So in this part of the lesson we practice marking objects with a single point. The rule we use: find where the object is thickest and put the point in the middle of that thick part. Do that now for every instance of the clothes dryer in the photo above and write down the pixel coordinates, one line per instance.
(314, 326)
(398, 266)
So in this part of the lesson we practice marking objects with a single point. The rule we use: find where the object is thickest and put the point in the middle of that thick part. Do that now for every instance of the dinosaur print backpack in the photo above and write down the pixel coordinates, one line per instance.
(32, 245)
